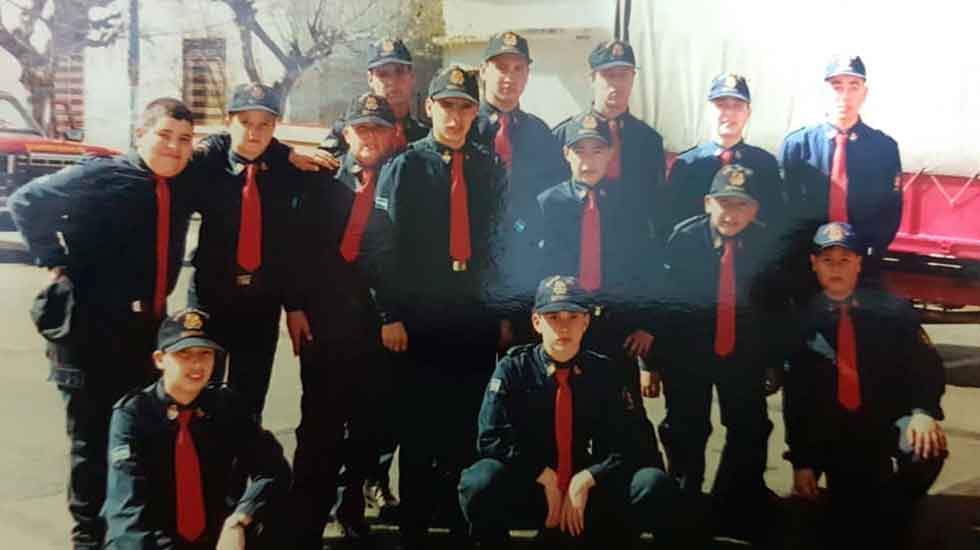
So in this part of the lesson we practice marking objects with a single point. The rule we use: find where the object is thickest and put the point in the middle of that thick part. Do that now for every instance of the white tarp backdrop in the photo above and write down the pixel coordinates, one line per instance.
(922, 61)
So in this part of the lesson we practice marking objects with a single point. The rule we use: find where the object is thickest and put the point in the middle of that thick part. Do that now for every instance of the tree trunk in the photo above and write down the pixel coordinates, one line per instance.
(39, 83)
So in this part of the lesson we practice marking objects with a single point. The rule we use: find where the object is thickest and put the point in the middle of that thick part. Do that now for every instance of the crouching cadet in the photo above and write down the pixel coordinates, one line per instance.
(554, 441)
(173, 447)
(862, 398)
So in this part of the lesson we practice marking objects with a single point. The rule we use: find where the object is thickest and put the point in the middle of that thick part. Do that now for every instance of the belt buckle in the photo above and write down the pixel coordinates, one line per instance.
(459, 265)
(244, 279)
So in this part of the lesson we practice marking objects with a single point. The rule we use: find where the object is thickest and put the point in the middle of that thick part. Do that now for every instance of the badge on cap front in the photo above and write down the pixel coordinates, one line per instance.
(257, 93)
(737, 178)
(589, 122)
(387, 46)
(457, 77)
(731, 81)
(193, 321)
(510, 39)
(559, 289)
(835, 232)
(617, 50)
(371, 103)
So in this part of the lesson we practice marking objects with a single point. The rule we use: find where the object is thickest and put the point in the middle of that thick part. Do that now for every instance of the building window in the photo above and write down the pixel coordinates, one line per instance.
(68, 104)
(204, 79)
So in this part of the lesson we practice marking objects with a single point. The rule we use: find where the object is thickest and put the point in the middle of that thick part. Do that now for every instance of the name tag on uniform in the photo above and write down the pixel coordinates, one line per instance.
(243, 280)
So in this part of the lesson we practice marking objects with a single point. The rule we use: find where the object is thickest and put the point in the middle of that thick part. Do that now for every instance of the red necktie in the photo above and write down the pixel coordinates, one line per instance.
(838, 179)
(459, 213)
(350, 246)
(250, 228)
(190, 496)
(163, 246)
(501, 143)
(615, 169)
(725, 322)
(590, 257)
(725, 157)
(563, 427)
(399, 141)
(848, 384)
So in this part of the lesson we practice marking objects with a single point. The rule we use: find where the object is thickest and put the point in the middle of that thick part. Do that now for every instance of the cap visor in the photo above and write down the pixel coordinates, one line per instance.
(573, 140)
(612, 64)
(253, 108)
(845, 73)
(390, 61)
(193, 342)
(854, 247)
(736, 194)
(369, 120)
(562, 306)
(713, 97)
(451, 93)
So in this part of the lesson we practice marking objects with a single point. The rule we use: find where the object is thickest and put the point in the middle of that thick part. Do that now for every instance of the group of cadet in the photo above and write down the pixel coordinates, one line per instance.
(495, 298)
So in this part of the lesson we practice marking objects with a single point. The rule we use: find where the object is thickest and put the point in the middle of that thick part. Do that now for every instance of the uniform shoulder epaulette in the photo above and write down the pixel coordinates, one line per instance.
(596, 355)
(518, 350)
(798, 130)
(689, 222)
(688, 150)
(562, 123)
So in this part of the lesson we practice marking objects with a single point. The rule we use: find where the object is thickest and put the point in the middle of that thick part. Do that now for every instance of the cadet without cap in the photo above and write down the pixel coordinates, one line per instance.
(561, 293)
(614, 53)
(254, 97)
(455, 81)
(836, 234)
(388, 50)
(734, 180)
(185, 329)
(586, 126)
(850, 65)
(369, 108)
(729, 85)
(507, 42)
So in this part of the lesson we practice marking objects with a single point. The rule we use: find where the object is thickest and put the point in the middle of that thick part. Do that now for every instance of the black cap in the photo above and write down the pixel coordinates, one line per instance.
(388, 50)
(586, 126)
(369, 108)
(185, 329)
(734, 180)
(561, 293)
(850, 65)
(836, 234)
(729, 85)
(455, 81)
(254, 97)
(615, 53)
(507, 42)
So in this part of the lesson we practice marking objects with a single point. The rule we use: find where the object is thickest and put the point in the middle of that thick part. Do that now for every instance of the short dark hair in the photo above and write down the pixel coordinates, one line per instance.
(165, 107)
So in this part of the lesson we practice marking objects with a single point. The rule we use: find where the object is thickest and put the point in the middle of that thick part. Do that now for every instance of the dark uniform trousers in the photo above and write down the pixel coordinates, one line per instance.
(104, 211)
(118, 361)
(493, 497)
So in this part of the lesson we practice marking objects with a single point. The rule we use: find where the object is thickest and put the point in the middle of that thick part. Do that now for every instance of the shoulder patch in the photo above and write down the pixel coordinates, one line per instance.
(496, 385)
(120, 453)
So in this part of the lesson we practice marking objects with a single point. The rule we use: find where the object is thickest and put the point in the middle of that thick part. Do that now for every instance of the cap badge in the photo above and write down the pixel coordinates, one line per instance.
(589, 122)
(387, 46)
(731, 81)
(510, 39)
(457, 77)
(258, 94)
(617, 50)
(737, 178)
(370, 103)
(559, 289)
(193, 321)
(835, 232)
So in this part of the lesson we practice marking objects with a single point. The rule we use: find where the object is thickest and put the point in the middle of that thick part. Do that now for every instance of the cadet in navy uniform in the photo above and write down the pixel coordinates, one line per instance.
(721, 329)
(172, 446)
(533, 160)
(638, 163)
(843, 170)
(336, 333)
(111, 232)
(729, 109)
(554, 440)
(248, 196)
(863, 388)
(435, 265)
(390, 74)
(587, 229)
